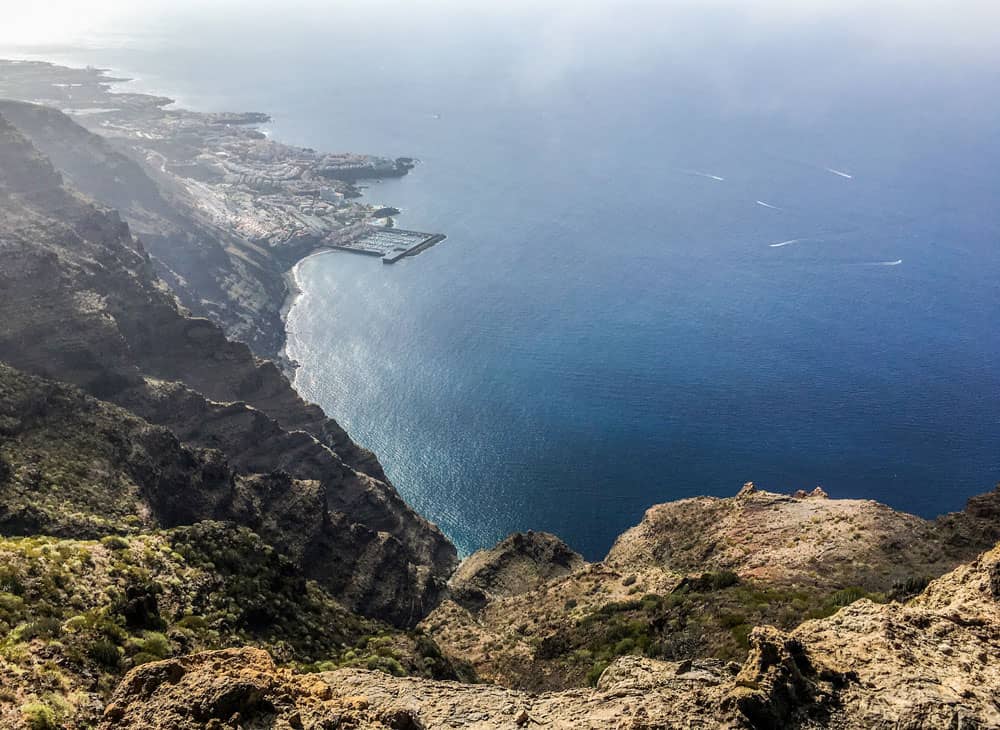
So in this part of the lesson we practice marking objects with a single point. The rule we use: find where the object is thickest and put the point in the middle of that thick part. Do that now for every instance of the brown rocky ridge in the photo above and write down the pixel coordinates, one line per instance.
(693, 579)
(927, 663)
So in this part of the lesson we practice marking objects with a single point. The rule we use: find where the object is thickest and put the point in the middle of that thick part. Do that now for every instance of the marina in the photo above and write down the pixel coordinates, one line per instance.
(391, 244)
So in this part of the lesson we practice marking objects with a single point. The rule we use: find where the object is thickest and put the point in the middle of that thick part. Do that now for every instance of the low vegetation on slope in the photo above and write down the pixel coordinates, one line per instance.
(926, 663)
(77, 467)
(76, 614)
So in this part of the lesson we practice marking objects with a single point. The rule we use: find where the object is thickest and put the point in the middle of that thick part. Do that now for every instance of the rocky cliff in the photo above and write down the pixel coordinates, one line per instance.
(223, 210)
(213, 272)
(83, 305)
(516, 565)
(120, 545)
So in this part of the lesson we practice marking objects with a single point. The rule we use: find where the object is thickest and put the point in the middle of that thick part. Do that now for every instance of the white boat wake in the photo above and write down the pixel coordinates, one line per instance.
(789, 242)
(897, 262)
(708, 175)
(838, 172)
(768, 205)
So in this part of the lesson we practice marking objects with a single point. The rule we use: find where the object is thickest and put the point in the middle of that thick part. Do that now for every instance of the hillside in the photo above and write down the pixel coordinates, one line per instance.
(77, 614)
(104, 322)
(222, 210)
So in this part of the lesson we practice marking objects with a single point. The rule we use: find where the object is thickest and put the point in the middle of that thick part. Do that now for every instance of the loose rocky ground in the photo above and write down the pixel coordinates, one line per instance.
(928, 663)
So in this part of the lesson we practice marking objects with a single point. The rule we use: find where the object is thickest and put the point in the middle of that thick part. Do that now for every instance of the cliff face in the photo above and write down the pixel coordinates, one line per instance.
(72, 466)
(82, 305)
(223, 209)
(928, 663)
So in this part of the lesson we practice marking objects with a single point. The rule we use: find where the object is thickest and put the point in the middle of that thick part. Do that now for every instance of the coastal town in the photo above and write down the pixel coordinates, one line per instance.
(266, 192)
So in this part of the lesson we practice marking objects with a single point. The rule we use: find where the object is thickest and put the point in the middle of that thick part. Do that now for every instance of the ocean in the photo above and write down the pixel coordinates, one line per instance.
(688, 246)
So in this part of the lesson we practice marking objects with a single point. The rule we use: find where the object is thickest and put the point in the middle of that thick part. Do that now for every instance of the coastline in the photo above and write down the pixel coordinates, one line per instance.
(293, 291)
(234, 177)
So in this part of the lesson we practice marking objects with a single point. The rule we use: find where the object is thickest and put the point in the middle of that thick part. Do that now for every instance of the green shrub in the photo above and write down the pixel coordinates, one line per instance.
(39, 716)
(43, 628)
(143, 658)
(11, 608)
(10, 582)
(731, 620)
(624, 646)
(847, 596)
(741, 633)
(193, 623)
(428, 648)
(903, 590)
(156, 644)
(387, 665)
(113, 542)
(104, 653)
(595, 672)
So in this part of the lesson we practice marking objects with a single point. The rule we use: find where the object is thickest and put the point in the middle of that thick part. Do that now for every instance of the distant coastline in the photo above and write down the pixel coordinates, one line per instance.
(283, 203)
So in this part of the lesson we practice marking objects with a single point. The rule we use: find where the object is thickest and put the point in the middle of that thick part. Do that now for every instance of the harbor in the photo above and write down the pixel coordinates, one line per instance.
(391, 244)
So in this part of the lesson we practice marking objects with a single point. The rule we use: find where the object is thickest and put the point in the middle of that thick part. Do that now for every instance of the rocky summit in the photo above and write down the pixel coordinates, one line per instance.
(927, 663)
(186, 543)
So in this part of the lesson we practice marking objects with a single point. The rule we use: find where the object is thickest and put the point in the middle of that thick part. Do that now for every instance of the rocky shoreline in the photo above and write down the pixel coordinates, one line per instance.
(291, 278)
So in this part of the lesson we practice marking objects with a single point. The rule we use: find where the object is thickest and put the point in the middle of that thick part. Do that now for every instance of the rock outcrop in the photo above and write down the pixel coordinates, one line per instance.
(928, 663)
(693, 578)
(807, 539)
(197, 691)
(519, 563)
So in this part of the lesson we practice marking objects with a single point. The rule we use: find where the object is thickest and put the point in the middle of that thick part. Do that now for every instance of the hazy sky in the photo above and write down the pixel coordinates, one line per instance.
(963, 26)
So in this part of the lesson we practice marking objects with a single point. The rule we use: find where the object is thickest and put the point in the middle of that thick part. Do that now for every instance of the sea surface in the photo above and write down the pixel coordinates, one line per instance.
(689, 245)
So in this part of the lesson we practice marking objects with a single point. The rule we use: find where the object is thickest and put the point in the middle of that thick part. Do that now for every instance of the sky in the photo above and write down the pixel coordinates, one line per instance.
(964, 26)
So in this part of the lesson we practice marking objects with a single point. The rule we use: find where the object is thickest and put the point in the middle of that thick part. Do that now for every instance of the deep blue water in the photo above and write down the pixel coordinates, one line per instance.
(606, 326)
